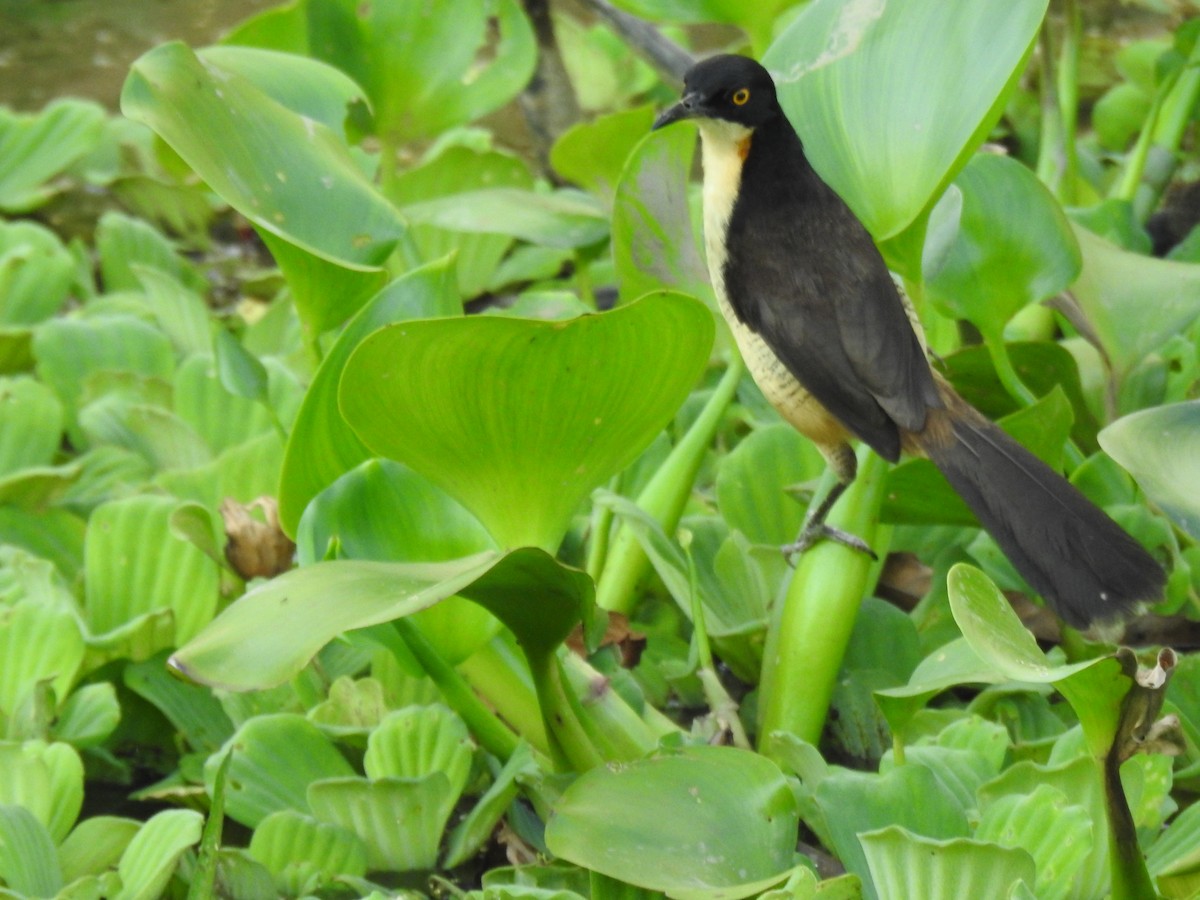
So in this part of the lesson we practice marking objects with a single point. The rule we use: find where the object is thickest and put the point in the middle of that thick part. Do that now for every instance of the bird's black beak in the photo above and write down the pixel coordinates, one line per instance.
(688, 107)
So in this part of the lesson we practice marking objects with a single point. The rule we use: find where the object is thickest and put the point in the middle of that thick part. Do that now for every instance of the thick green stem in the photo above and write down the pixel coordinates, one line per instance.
(665, 497)
(491, 733)
(571, 747)
(1068, 99)
(498, 672)
(603, 711)
(812, 630)
(1050, 159)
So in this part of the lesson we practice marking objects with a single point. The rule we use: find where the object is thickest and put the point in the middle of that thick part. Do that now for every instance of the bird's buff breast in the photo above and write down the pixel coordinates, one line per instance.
(723, 150)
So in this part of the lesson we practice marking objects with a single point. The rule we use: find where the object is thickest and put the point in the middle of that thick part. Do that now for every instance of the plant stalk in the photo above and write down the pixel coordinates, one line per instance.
(806, 646)
(665, 497)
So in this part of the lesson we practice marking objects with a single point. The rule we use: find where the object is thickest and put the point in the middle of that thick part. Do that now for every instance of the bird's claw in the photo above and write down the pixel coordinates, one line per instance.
(818, 531)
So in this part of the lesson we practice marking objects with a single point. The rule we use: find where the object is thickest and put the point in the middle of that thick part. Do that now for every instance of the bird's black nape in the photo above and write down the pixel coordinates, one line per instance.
(726, 87)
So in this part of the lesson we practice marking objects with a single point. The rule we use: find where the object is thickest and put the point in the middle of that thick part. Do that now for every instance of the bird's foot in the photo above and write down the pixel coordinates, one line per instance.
(819, 531)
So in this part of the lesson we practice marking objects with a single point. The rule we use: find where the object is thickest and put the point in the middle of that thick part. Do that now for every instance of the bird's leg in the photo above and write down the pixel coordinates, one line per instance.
(845, 466)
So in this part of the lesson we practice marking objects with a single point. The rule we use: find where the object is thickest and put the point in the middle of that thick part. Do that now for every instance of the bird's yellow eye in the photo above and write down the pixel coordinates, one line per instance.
(741, 96)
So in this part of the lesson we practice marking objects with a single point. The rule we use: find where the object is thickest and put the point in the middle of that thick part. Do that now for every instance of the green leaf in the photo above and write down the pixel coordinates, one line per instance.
(426, 72)
(36, 272)
(90, 714)
(418, 740)
(289, 175)
(95, 845)
(888, 119)
(222, 418)
(520, 419)
(565, 218)
(274, 760)
(707, 822)
(655, 246)
(36, 148)
(180, 311)
(593, 154)
(304, 85)
(191, 710)
(296, 847)
(399, 819)
(753, 481)
(31, 424)
(470, 834)
(453, 172)
(150, 859)
(1134, 303)
(1014, 246)
(28, 862)
(321, 446)
(908, 796)
(241, 372)
(46, 779)
(123, 583)
(128, 246)
(1161, 449)
(904, 864)
(1055, 832)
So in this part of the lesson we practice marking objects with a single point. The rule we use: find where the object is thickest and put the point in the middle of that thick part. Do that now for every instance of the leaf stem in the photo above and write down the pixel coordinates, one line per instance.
(665, 497)
(806, 645)
(492, 734)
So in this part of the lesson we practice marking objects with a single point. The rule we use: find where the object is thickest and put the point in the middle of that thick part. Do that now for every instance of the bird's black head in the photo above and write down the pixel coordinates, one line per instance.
(729, 88)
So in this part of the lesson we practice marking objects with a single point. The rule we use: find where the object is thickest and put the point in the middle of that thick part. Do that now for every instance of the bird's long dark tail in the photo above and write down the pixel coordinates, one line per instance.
(1069, 550)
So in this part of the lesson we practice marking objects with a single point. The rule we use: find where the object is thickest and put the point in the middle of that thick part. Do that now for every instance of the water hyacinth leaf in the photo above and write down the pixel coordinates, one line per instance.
(564, 219)
(274, 760)
(1161, 449)
(95, 845)
(292, 177)
(28, 861)
(593, 154)
(399, 819)
(655, 245)
(36, 148)
(123, 583)
(886, 118)
(426, 73)
(520, 419)
(454, 171)
(150, 859)
(1055, 832)
(418, 740)
(300, 83)
(705, 822)
(296, 847)
(36, 272)
(904, 864)
(31, 424)
(192, 710)
(1014, 246)
(1133, 303)
(269, 634)
(288, 174)
(321, 446)
(753, 478)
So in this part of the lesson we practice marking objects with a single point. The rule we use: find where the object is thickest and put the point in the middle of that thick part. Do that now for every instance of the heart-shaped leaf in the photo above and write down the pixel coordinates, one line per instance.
(520, 419)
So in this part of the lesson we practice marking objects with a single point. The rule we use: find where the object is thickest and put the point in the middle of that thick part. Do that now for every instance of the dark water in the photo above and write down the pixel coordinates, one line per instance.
(83, 48)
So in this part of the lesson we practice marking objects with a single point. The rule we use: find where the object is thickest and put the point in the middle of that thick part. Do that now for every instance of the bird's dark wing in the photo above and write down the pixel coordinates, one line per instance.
(804, 273)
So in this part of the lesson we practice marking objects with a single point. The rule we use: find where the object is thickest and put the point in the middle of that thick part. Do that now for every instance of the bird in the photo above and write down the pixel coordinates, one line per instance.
(836, 348)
